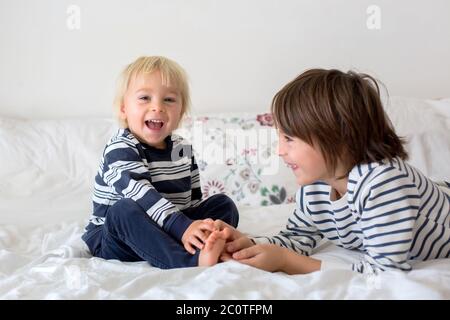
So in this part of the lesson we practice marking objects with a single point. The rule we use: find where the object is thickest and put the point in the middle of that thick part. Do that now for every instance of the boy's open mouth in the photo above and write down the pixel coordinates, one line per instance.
(292, 166)
(154, 124)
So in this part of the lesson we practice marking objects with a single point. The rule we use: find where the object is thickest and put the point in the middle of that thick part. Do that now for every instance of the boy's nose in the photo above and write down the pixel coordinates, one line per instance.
(157, 107)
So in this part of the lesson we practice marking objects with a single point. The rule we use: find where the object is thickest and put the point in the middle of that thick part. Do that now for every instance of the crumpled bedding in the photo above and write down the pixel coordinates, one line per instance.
(51, 262)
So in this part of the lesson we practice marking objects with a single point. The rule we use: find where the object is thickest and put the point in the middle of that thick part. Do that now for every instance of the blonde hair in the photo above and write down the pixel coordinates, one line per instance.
(172, 74)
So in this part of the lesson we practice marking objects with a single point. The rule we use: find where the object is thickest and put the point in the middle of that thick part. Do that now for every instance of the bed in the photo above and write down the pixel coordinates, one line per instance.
(46, 179)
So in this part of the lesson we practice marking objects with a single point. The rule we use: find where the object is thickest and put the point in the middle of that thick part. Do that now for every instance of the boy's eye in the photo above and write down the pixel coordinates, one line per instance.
(288, 139)
(144, 98)
(169, 99)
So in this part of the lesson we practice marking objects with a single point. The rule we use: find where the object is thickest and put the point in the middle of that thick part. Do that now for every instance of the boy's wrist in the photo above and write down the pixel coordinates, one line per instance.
(294, 263)
(284, 265)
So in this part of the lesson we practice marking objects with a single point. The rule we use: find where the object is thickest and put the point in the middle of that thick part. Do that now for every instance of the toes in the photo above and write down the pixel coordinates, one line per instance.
(212, 238)
(226, 233)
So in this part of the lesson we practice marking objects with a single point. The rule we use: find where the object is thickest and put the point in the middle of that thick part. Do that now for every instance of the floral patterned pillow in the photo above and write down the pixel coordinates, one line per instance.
(236, 155)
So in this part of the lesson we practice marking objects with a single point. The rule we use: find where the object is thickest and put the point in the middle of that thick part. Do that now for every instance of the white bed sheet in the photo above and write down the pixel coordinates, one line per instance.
(51, 262)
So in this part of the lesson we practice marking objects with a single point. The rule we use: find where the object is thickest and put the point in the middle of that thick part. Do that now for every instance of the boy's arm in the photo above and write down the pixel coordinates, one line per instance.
(273, 258)
(299, 264)
(300, 234)
(124, 170)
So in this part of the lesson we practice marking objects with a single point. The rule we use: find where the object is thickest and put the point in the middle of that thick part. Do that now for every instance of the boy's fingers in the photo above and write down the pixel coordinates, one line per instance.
(209, 220)
(246, 253)
(202, 235)
(236, 245)
(234, 234)
(193, 241)
(225, 234)
(189, 248)
(196, 242)
(207, 226)
(219, 224)
(232, 246)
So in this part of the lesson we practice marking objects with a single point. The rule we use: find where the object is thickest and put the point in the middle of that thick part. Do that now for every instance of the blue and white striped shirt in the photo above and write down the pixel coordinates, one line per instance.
(391, 213)
(162, 182)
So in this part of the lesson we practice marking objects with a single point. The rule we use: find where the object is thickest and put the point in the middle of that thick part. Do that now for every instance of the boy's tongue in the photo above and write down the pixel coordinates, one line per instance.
(154, 125)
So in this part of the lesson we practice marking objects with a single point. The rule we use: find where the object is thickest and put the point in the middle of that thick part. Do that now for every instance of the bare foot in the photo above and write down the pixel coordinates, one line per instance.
(213, 248)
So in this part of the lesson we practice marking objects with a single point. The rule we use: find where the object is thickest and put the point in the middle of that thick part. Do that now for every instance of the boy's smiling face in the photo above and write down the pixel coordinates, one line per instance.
(151, 109)
(306, 162)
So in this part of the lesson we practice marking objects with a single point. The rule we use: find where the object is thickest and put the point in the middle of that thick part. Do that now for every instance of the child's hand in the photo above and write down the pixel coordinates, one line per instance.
(196, 234)
(238, 244)
(235, 242)
(267, 257)
(220, 225)
(234, 246)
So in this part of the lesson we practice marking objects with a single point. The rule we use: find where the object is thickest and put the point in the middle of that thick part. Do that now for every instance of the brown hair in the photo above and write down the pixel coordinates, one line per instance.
(339, 112)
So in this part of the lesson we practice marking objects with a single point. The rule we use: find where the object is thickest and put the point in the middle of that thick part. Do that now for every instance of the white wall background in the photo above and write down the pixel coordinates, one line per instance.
(238, 53)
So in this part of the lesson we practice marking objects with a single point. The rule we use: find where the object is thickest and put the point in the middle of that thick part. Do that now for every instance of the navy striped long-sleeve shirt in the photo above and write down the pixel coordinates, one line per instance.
(161, 182)
(391, 213)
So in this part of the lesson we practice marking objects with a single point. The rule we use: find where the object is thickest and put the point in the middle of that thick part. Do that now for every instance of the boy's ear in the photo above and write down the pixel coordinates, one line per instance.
(122, 113)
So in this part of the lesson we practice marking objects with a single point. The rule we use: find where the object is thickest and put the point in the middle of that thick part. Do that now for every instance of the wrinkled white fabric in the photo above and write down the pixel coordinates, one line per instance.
(51, 262)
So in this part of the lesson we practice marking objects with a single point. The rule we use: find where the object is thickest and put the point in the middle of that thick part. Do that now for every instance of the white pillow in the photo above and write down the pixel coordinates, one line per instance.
(426, 126)
(41, 156)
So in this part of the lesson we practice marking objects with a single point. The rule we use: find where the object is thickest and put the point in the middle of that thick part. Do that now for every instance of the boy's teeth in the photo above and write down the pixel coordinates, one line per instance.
(154, 124)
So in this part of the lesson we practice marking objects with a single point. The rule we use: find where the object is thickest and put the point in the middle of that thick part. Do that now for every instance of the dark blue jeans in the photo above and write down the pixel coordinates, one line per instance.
(129, 234)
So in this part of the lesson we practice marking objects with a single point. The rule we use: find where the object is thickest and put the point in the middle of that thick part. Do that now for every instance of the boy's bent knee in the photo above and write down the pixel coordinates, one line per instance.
(221, 198)
(122, 210)
(231, 213)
